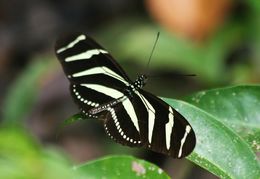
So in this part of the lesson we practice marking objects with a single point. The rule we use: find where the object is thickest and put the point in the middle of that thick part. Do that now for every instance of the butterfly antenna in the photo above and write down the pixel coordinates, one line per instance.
(156, 76)
(149, 60)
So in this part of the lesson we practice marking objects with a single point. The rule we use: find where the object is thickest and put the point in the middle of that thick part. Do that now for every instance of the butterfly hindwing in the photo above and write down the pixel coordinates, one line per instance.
(87, 98)
(127, 122)
(120, 128)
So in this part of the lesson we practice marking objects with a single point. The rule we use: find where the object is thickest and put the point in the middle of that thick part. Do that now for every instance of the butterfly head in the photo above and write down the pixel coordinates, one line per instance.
(140, 81)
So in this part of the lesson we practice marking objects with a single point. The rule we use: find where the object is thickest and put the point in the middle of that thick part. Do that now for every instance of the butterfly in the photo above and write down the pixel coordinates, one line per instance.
(131, 115)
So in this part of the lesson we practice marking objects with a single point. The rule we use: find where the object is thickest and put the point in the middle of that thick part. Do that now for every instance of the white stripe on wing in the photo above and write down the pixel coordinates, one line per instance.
(85, 55)
(71, 44)
(100, 70)
(168, 128)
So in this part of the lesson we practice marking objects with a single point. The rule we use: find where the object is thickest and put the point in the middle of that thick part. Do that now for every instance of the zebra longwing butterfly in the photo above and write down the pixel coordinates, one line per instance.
(131, 116)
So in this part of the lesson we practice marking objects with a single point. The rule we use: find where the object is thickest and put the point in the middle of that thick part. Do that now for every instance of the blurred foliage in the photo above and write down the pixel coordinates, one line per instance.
(21, 157)
(23, 93)
(225, 120)
(236, 42)
(172, 52)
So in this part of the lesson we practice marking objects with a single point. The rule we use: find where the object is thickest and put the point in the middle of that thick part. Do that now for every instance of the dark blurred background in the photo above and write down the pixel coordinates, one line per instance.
(218, 40)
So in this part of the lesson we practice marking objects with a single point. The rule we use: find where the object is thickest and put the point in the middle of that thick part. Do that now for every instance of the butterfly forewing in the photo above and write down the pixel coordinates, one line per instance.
(133, 117)
(169, 133)
(79, 52)
(94, 76)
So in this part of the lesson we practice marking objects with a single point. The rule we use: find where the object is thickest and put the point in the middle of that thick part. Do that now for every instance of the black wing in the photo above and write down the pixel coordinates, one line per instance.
(159, 127)
(94, 75)
(170, 133)
(120, 127)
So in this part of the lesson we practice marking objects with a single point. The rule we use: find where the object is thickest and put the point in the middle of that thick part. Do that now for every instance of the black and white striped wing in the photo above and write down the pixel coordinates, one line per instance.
(168, 131)
(145, 120)
(94, 76)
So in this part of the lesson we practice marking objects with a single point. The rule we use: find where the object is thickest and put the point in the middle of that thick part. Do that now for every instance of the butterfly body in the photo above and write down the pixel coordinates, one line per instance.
(133, 117)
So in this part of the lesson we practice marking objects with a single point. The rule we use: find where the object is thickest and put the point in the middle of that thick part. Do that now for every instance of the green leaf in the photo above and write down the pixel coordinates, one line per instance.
(218, 149)
(70, 120)
(22, 94)
(237, 107)
(120, 167)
